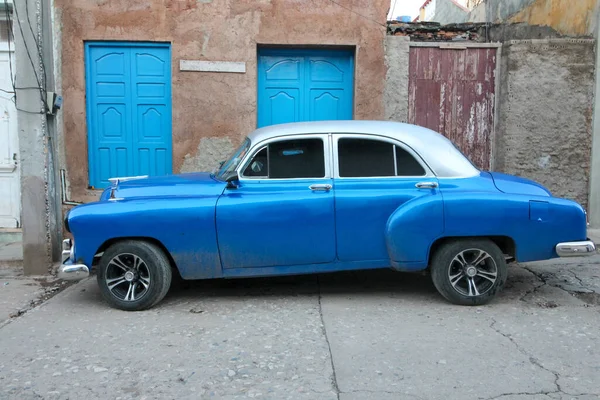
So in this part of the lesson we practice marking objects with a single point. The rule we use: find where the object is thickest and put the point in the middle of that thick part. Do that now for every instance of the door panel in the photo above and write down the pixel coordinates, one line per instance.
(363, 206)
(304, 85)
(372, 179)
(129, 110)
(285, 218)
(266, 223)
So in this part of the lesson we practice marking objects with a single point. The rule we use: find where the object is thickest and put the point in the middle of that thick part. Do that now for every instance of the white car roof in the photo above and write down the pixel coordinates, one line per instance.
(444, 159)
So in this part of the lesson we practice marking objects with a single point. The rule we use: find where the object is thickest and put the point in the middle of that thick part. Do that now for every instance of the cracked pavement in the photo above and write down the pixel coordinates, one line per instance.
(349, 336)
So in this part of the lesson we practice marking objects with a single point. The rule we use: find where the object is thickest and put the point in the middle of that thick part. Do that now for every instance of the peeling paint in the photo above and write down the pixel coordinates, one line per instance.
(452, 91)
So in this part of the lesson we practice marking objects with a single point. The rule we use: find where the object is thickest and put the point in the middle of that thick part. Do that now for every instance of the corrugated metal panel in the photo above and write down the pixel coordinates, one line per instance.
(452, 92)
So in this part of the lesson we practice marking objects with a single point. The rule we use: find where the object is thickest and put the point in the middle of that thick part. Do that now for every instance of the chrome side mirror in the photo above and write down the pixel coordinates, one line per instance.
(232, 181)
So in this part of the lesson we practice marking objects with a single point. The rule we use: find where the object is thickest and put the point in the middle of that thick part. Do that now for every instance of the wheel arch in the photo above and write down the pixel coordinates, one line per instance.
(505, 243)
(147, 239)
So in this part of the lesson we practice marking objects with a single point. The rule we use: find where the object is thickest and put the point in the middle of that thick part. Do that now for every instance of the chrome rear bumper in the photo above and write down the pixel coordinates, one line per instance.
(576, 249)
(69, 270)
(72, 272)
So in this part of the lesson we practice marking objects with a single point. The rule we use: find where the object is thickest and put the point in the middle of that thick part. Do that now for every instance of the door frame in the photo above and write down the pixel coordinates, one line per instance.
(305, 50)
(88, 45)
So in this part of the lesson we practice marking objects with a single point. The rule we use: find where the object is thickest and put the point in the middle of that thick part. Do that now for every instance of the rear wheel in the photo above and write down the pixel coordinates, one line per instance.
(469, 271)
(134, 275)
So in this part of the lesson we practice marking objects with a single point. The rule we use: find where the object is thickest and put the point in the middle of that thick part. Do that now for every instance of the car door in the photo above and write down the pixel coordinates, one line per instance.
(374, 175)
(282, 211)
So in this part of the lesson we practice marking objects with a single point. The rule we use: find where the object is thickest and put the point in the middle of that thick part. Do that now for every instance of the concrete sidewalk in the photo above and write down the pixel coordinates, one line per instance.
(11, 254)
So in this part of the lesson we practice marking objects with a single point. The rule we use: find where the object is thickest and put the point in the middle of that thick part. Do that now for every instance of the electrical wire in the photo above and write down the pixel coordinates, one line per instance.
(359, 14)
(31, 112)
(393, 8)
(37, 45)
(37, 78)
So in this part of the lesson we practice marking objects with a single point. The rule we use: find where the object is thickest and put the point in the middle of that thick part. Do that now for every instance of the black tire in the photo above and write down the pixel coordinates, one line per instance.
(150, 280)
(469, 290)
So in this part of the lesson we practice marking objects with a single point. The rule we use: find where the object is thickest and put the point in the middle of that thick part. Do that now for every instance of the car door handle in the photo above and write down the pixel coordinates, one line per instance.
(325, 187)
(426, 185)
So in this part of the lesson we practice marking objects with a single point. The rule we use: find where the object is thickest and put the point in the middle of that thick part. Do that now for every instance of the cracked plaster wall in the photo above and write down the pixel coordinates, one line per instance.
(545, 113)
(212, 109)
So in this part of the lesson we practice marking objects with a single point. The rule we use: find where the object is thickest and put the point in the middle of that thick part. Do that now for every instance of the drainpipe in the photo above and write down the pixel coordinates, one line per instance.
(63, 186)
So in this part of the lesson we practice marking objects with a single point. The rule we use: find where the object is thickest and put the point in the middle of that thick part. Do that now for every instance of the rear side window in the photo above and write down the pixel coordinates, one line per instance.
(288, 159)
(360, 158)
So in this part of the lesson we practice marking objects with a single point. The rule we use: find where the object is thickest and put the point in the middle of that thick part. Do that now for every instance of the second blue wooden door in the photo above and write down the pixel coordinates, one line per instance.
(304, 85)
(128, 110)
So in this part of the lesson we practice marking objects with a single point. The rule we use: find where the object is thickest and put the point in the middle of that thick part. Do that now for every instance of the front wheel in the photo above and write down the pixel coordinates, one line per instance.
(134, 275)
(468, 271)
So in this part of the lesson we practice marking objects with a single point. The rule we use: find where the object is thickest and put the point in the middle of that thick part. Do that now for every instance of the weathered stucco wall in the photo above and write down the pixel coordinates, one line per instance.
(568, 17)
(395, 97)
(545, 113)
(212, 111)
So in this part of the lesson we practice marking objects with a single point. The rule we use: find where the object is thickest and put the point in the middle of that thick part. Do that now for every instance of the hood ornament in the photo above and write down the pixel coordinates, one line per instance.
(114, 184)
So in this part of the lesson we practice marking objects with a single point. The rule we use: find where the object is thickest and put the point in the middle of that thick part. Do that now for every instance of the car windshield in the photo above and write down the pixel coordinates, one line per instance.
(233, 161)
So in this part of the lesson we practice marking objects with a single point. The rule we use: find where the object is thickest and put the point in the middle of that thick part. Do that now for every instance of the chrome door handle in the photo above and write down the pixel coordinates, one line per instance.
(426, 185)
(325, 187)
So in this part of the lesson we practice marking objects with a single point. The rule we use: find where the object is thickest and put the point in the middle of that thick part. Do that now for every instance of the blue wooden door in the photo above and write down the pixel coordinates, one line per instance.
(304, 85)
(128, 110)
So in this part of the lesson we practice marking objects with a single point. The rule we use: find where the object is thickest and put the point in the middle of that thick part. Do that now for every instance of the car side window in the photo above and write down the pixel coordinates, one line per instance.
(289, 159)
(406, 164)
(359, 158)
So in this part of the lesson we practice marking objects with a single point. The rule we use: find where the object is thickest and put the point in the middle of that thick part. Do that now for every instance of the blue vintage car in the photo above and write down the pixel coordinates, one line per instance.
(322, 197)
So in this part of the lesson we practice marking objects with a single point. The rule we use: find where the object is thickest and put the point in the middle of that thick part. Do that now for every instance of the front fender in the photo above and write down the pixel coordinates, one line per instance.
(411, 230)
(185, 226)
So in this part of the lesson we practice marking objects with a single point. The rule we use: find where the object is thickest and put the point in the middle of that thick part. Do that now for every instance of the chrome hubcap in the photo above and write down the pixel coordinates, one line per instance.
(472, 272)
(127, 277)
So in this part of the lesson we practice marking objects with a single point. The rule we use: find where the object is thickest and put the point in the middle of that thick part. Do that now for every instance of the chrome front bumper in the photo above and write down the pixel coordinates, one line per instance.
(69, 270)
(576, 249)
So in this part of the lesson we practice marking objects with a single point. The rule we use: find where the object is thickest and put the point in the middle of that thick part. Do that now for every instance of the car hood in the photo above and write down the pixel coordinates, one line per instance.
(196, 184)
(517, 185)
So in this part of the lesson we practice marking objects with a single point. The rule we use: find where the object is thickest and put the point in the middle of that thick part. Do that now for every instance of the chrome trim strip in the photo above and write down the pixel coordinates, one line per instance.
(126, 178)
(576, 249)
(395, 162)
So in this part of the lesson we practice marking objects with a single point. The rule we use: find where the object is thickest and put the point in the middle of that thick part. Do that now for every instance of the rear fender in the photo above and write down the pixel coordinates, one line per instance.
(411, 230)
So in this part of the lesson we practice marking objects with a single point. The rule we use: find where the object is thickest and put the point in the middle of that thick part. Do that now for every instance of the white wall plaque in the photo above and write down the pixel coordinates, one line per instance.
(212, 66)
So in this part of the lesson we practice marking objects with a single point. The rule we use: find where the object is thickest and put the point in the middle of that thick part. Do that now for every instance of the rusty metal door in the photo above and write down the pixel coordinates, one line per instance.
(452, 91)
